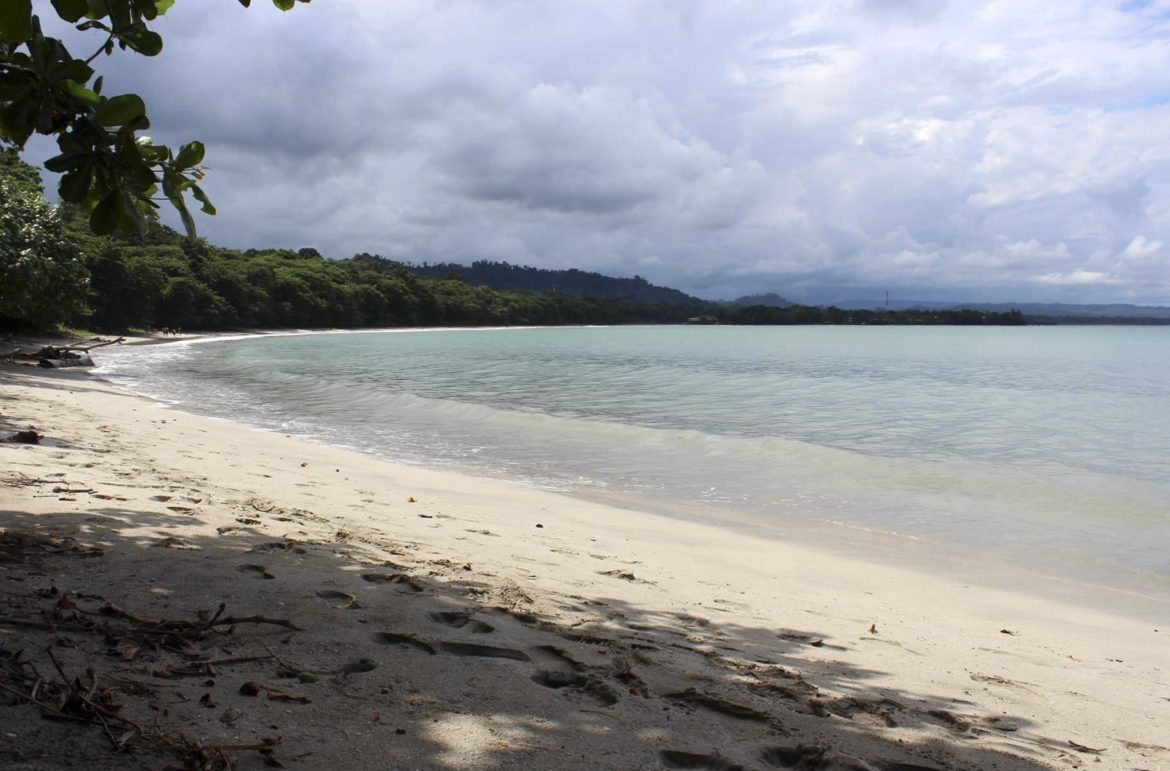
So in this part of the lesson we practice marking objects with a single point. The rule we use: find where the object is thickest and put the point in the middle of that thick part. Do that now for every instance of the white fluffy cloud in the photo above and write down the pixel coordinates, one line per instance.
(823, 149)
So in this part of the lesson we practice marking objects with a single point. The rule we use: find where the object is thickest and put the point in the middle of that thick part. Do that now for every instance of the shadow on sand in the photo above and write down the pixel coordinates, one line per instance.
(403, 662)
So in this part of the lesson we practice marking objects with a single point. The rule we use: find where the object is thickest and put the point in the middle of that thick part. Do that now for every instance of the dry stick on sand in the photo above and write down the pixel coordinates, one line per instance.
(85, 708)
(185, 628)
(82, 705)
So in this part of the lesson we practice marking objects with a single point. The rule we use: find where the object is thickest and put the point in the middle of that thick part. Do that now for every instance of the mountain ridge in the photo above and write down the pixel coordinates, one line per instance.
(505, 276)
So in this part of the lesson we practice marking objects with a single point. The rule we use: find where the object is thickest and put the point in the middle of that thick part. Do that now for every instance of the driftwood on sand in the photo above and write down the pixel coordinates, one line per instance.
(61, 356)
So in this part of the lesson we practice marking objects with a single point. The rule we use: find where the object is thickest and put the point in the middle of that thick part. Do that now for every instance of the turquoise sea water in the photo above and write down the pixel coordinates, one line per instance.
(1047, 447)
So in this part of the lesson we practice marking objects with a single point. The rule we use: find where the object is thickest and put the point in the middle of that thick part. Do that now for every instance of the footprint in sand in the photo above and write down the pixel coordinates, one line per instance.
(812, 756)
(564, 673)
(272, 546)
(722, 706)
(557, 656)
(357, 667)
(343, 600)
(408, 640)
(392, 578)
(678, 759)
(949, 719)
(624, 575)
(576, 682)
(173, 543)
(259, 570)
(460, 620)
(485, 651)
(524, 618)
(807, 639)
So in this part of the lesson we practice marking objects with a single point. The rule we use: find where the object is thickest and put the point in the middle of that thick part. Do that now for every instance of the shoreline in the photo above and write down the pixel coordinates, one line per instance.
(727, 647)
(1137, 594)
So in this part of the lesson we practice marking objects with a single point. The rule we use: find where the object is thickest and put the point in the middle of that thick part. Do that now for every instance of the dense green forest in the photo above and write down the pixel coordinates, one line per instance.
(168, 280)
(54, 272)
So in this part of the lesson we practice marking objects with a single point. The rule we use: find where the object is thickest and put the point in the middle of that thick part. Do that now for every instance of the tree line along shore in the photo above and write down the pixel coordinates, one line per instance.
(55, 273)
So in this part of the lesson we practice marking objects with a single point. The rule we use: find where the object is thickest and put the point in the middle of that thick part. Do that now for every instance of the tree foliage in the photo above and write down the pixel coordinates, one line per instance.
(163, 279)
(805, 314)
(42, 278)
(108, 170)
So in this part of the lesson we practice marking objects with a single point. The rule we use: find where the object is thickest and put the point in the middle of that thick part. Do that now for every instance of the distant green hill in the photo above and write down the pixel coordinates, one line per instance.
(505, 276)
(769, 299)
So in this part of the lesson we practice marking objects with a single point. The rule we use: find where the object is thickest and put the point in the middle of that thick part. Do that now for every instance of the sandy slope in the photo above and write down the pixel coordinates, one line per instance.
(485, 625)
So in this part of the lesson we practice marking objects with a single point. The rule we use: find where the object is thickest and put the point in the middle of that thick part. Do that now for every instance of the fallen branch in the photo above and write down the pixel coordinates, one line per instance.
(101, 343)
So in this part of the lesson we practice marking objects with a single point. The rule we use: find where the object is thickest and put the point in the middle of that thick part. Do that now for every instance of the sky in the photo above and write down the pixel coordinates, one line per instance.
(825, 150)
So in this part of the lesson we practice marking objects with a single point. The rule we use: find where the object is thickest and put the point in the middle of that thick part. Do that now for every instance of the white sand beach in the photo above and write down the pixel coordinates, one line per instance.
(445, 621)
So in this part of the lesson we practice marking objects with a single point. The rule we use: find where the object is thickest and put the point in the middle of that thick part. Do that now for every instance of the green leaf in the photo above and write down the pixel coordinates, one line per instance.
(71, 10)
(75, 185)
(134, 213)
(62, 163)
(15, 20)
(207, 208)
(143, 41)
(19, 119)
(97, 9)
(107, 215)
(162, 6)
(120, 110)
(172, 185)
(147, 8)
(190, 154)
(81, 93)
(284, 5)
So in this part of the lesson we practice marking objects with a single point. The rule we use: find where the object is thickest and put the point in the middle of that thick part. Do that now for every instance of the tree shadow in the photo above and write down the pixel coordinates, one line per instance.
(74, 379)
(402, 661)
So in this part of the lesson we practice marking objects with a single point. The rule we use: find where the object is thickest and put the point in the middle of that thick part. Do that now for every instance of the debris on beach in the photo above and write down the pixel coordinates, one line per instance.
(61, 356)
(27, 437)
(52, 357)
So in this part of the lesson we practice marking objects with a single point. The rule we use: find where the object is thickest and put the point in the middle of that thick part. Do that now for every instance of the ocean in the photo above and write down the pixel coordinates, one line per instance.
(1046, 449)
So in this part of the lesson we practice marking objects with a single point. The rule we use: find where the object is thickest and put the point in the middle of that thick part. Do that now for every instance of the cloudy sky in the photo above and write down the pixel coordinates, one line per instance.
(822, 149)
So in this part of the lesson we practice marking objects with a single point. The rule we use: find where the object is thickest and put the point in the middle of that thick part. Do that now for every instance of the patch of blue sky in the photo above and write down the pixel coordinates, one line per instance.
(1131, 6)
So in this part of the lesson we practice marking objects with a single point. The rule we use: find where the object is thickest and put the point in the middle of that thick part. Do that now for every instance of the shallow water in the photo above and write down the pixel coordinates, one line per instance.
(1047, 447)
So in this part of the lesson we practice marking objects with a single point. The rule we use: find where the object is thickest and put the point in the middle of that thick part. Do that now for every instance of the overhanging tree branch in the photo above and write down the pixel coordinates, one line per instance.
(107, 169)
